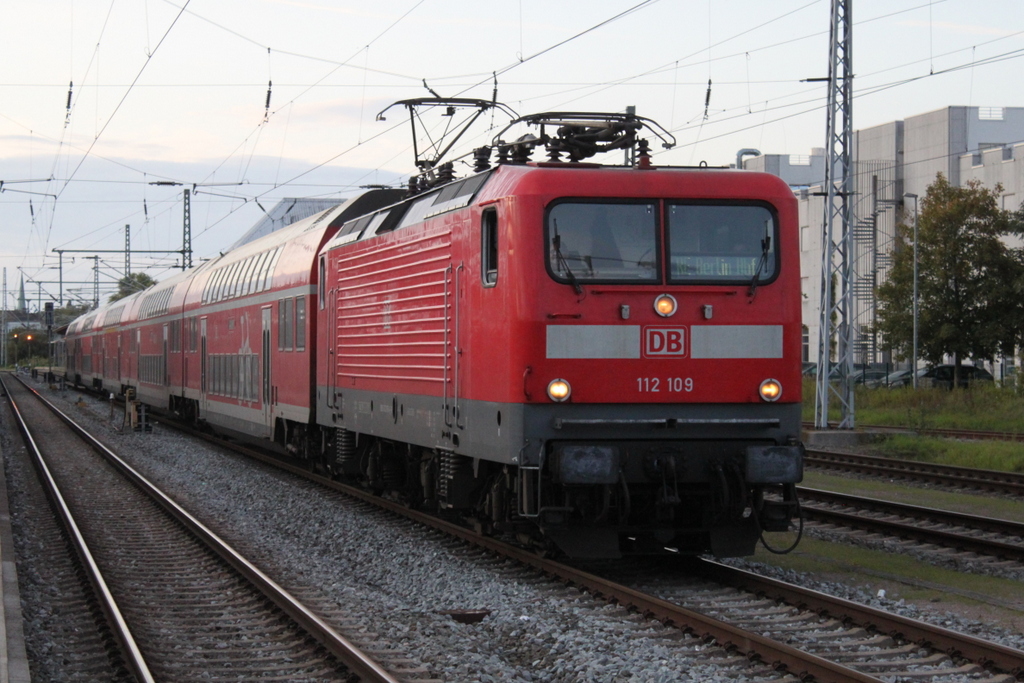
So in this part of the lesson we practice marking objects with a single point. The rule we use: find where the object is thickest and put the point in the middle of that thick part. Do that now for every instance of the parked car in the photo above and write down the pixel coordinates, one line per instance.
(867, 377)
(941, 376)
(860, 375)
(898, 378)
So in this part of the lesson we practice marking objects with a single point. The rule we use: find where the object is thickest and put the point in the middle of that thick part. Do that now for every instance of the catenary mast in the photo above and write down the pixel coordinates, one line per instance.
(837, 240)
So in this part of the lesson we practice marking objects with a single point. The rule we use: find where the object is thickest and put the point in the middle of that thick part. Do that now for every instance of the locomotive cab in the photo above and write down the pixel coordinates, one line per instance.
(667, 397)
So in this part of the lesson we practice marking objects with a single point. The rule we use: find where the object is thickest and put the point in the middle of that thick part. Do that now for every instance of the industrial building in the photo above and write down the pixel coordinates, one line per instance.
(894, 163)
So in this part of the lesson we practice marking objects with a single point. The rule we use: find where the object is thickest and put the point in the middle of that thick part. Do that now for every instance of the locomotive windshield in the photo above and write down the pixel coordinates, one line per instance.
(721, 243)
(713, 243)
(603, 241)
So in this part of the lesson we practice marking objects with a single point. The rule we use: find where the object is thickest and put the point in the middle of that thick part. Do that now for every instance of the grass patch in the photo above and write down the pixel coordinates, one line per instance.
(981, 407)
(985, 408)
(1005, 456)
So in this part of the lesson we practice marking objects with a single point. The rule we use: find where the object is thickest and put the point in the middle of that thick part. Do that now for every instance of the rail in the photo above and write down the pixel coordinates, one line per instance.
(344, 650)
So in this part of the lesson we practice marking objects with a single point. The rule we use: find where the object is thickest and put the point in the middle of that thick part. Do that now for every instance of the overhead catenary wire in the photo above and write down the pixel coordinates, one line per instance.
(523, 60)
(324, 77)
(715, 118)
(117, 107)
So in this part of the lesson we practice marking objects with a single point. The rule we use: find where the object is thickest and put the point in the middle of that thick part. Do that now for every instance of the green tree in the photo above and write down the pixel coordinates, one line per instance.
(126, 286)
(25, 343)
(65, 314)
(963, 270)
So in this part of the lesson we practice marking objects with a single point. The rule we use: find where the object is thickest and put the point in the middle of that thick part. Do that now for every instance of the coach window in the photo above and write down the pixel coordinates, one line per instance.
(489, 247)
(232, 286)
(208, 289)
(215, 284)
(285, 325)
(243, 286)
(300, 323)
(322, 284)
(269, 272)
(236, 280)
(254, 273)
(722, 243)
(222, 282)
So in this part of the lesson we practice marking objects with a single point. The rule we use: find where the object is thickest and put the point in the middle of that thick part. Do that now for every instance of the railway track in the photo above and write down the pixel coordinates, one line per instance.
(985, 536)
(807, 635)
(960, 433)
(870, 640)
(1010, 483)
(980, 434)
(181, 603)
(810, 635)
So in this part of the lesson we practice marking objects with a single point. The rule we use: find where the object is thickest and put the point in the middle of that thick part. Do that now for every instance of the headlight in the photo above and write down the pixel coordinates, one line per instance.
(770, 390)
(665, 305)
(559, 390)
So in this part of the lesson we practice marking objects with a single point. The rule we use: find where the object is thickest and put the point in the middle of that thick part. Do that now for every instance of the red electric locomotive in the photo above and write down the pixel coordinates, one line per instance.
(607, 355)
(605, 359)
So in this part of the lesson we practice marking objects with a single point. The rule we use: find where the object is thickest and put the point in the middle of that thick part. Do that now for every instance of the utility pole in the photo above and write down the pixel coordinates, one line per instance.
(837, 251)
(186, 223)
(186, 238)
(127, 251)
(913, 362)
(3, 324)
(95, 280)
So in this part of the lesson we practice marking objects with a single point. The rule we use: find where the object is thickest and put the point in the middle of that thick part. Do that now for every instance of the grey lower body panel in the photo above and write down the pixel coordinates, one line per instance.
(515, 433)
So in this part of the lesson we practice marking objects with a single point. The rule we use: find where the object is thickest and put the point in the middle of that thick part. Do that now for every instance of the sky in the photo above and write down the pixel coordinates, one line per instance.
(101, 100)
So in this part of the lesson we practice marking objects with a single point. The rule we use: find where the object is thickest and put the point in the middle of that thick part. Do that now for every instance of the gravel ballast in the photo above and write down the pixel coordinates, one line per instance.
(397, 578)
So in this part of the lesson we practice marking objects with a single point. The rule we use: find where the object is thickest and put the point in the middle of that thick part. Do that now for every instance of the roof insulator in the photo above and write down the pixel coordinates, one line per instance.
(481, 159)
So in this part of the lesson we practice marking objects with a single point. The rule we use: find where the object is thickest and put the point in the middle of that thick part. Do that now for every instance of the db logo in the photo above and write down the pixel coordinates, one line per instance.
(665, 341)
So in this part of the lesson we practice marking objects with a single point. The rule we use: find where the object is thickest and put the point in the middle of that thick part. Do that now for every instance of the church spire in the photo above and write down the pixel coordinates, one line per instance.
(22, 303)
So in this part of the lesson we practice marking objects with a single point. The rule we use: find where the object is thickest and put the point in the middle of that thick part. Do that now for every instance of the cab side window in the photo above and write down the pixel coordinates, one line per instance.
(489, 247)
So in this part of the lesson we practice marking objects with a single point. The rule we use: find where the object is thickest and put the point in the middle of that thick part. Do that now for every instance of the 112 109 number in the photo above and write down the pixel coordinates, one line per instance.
(672, 385)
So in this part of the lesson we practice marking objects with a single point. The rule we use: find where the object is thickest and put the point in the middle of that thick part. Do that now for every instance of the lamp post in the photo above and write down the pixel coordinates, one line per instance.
(913, 375)
(15, 351)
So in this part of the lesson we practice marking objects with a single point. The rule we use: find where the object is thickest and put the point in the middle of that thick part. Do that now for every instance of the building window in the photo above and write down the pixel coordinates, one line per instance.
(990, 113)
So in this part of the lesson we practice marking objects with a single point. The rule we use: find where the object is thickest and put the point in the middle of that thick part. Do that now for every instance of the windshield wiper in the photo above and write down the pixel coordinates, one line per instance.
(766, 244)
(556, 244)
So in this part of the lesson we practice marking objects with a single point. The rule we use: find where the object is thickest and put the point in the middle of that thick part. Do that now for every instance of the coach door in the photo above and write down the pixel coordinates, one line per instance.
(330, 352)
(165, 372)
(204, 403)
(266, 358)
(136, 354)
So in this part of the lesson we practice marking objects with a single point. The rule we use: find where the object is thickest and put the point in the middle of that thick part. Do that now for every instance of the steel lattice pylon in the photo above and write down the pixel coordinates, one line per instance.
(837, 251)
(186, 237)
